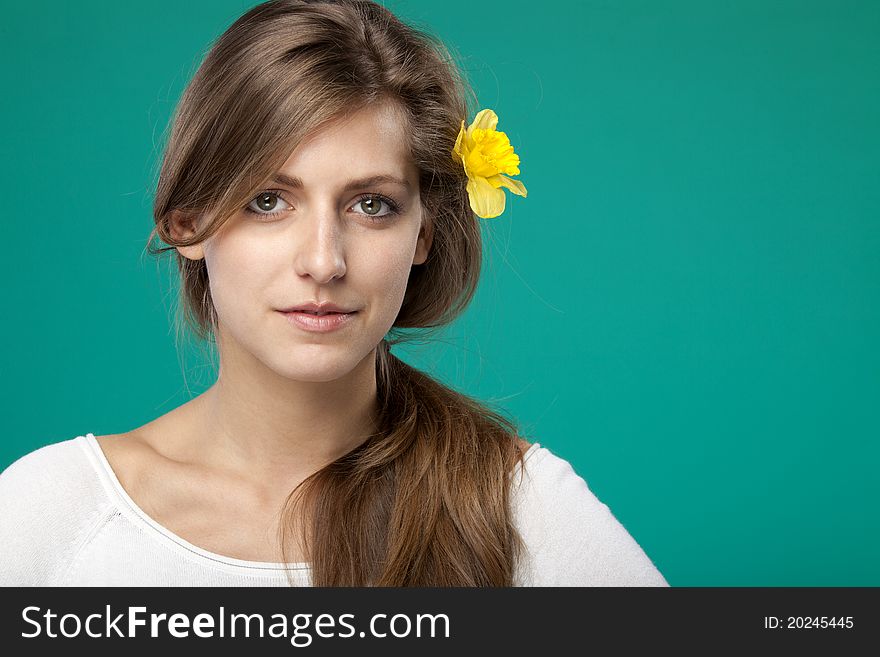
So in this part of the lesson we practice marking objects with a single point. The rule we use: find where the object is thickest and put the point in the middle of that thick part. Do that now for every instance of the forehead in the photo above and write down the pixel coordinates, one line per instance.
(372, 140)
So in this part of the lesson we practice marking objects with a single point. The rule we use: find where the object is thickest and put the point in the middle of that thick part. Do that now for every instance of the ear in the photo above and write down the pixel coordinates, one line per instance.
(426, 236)
(183, 226)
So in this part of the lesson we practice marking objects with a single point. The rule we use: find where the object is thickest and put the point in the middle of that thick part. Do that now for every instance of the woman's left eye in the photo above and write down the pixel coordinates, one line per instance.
(371, 206)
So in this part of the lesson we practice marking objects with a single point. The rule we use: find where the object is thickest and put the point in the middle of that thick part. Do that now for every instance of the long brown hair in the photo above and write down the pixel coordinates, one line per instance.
(426, 500)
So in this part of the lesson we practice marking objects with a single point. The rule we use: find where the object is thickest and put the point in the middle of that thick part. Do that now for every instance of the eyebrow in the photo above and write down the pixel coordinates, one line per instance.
(296, 183)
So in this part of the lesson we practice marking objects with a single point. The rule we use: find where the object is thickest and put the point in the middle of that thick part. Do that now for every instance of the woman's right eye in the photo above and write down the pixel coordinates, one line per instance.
(266, 204)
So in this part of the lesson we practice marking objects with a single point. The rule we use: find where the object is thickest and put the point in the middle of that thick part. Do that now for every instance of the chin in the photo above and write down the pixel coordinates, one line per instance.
(317, 363)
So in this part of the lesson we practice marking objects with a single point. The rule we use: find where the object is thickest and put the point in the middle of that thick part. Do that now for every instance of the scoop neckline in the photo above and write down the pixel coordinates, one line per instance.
(139, 513)
(109, 475)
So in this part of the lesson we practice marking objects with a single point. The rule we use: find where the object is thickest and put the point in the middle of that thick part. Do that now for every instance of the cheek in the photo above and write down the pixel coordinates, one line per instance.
(386, 266)
(236, 269)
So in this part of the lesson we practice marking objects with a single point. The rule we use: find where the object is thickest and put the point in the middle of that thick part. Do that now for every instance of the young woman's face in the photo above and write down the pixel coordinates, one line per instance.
(321, 231)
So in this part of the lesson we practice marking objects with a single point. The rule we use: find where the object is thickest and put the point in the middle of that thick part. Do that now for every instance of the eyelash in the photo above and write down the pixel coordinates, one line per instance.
(394, 206)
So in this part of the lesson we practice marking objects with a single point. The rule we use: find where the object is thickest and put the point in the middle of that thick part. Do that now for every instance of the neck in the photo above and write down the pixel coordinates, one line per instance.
(271, 429)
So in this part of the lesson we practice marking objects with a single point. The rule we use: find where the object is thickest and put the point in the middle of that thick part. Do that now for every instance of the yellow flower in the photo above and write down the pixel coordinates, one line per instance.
(486, 154)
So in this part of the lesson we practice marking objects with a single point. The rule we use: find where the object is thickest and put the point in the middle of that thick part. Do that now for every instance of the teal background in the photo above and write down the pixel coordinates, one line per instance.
(685, 307)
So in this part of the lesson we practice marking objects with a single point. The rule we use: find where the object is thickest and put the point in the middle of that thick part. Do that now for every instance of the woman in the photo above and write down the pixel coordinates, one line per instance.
(318, 164)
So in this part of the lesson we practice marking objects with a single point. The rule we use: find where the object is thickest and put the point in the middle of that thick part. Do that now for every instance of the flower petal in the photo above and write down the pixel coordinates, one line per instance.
(485, 120)
(456, 150)
(513, 185)
(486, 201)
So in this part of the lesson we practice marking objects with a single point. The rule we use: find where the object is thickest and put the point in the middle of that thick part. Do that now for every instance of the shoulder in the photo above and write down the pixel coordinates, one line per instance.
(572, 538)
(49, 498)
(44, 470)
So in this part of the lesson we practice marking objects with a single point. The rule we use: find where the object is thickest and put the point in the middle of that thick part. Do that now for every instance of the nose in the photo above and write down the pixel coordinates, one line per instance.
(320, 245)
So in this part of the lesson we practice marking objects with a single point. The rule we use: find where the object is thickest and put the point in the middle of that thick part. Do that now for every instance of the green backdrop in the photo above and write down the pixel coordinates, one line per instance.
(685, 307)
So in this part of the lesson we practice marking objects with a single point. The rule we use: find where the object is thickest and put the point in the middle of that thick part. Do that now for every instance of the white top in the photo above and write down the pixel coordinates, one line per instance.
(65, 520)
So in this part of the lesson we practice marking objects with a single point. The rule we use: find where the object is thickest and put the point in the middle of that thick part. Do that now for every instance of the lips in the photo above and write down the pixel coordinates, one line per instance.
(315, 321)
(314, 308)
